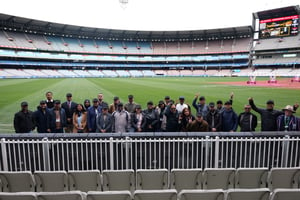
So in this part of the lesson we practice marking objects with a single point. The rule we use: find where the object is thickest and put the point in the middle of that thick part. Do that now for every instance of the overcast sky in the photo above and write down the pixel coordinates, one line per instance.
(144, 14)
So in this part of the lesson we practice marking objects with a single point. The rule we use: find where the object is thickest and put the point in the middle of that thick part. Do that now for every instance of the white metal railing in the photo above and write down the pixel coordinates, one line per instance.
(18, 154)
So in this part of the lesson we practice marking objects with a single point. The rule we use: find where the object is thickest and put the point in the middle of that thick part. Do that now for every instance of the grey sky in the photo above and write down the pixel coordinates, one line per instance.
(144, 14)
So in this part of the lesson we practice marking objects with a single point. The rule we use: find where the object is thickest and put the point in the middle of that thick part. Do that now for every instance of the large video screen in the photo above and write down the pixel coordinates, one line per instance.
(279, 27)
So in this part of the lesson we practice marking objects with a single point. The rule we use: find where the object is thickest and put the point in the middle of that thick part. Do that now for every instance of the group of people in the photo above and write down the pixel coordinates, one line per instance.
(97, 116)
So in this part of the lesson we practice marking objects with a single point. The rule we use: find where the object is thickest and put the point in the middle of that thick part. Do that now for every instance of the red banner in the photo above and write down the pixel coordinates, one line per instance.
(279, 19)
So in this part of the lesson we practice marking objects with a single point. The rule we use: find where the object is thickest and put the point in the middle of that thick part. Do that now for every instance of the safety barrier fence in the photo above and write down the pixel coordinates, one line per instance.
(44, 152)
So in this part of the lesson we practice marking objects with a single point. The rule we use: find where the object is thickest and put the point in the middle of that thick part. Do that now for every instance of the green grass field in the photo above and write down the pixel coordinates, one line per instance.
(13, 91)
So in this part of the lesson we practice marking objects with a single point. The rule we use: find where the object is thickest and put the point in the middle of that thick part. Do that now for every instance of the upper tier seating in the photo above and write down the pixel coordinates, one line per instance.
(71, 44)
(278, 43)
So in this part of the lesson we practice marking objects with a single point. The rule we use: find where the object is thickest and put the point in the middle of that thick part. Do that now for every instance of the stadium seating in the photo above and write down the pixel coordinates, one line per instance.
(148, 73)
(109, 195)
(285, 194)
(68, 195)
(275, 43)
(118, 180)
(109, 73)
(58, 43)
(18, 196)
(69, 44)
(155, 194)
(51, 73)
(85, 180)
(211, 54)
(152, 179)
(201, 194)
(135, 73)
(17, 73)
(96, 73)
(36, 73)
(284, 178)
(251, 178)
(51, 181)
(248, 194)
(185, 184)
(67, 73)
(40, 42)
(17, 181)
(5, 41)
(186, 179)
(82, 73)
(218, 178)
(122, 73)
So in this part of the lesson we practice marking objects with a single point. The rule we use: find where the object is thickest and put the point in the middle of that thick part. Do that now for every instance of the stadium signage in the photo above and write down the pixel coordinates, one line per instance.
(279, 27)
(279, 19)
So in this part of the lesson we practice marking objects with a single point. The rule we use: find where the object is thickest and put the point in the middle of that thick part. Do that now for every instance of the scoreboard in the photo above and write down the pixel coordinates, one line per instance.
(279, 27)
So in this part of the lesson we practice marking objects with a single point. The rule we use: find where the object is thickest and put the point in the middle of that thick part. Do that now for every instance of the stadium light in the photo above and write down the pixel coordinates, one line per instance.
(123, 3)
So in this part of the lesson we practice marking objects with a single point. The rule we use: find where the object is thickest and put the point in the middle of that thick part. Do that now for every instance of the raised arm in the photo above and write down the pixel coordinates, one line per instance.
(253, 106)
(195, 102)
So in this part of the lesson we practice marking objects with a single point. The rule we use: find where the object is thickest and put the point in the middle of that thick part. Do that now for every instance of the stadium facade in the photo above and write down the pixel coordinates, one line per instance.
(31, 48)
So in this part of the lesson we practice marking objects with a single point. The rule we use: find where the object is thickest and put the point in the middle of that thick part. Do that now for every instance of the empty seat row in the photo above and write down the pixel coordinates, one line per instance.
(226, 178)
(178, 179)
(232, 194)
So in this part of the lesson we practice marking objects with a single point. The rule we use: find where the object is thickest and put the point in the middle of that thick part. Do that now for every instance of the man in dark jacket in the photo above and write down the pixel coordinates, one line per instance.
(69, 106)
(198, 125)
(213, 118)
(172, 118)
(268, 115)
(92, 114)
(247, 120)
(58, 118)
(229, 118)
(24, 120)
(42, 118)
(152, 118)
(220, 108)
(104, 121)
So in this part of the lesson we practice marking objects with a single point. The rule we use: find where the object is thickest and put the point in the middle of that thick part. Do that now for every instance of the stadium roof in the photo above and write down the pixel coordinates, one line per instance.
(15, 23)
(279, 12)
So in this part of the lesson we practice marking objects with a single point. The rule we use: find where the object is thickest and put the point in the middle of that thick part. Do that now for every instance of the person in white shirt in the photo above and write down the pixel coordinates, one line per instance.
(181, 105)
